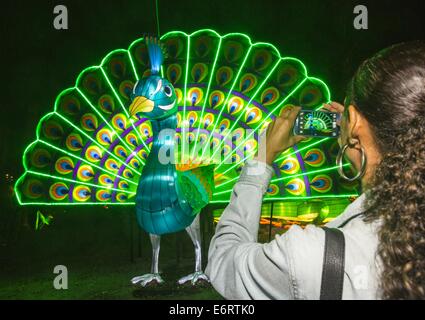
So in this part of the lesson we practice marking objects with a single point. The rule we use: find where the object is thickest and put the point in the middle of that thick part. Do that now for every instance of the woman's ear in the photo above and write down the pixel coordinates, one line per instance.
(355, 123)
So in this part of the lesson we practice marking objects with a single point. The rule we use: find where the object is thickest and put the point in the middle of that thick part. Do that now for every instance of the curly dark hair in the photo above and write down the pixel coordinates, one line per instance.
(389, 91)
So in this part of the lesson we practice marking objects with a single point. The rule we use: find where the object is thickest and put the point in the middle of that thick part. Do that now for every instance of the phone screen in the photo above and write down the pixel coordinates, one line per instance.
(316, 124)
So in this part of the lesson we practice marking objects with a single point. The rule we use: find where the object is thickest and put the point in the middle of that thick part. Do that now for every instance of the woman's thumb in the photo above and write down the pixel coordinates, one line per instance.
(298, 139)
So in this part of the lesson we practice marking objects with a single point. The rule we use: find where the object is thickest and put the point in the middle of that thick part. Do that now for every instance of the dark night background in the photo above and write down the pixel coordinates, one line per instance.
(37, 62)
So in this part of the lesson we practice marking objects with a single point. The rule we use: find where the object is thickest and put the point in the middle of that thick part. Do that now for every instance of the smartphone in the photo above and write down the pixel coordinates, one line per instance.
(320, 124)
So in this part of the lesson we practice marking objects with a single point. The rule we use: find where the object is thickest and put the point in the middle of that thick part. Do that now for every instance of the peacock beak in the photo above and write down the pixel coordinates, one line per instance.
(141, 104)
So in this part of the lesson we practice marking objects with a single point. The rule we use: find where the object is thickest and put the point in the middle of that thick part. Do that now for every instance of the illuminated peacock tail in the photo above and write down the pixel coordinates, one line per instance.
(88, 150)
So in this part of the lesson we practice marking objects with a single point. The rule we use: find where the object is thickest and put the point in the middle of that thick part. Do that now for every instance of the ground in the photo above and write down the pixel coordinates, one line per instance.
(102, 250)
(101, 282)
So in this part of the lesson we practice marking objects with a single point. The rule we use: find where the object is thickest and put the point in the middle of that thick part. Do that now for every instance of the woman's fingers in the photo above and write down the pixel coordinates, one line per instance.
(283, 125)
(293, 114)
(270, 128)
(297, 139)
(284, 122)
(339, 108)
(334, 107)
(290, 113)
(327, 107)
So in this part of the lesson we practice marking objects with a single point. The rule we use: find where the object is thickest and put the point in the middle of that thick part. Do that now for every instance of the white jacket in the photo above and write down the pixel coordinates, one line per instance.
(290, 266)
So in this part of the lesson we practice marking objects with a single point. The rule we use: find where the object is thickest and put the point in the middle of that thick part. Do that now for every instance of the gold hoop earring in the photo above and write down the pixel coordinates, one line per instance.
(339, 163)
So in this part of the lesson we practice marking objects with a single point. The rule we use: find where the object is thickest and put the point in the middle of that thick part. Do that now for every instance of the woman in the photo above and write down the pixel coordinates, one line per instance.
(383, 136)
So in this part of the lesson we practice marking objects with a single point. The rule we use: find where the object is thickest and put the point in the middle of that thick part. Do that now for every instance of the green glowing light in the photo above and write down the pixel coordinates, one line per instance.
(241, 113)
(308, 173)
(125, 112)
(183, 124)
(298, 198)
(82, 160)
(74, 181)
(301, 149)
(226, 100)
(286, 177)
(137, 71)
(263, 121)
(104, 120)
(95, 142)
(121, 104)
(133, 67)
(207, 93)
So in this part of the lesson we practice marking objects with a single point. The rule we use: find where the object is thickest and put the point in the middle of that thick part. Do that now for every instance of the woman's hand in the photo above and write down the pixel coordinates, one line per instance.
(335, 107)
(279, 136)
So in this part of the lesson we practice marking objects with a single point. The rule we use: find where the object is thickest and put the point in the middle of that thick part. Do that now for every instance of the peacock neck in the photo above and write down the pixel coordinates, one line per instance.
(163, 137)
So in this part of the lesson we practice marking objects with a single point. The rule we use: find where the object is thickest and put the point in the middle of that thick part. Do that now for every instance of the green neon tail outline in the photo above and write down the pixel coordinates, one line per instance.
(128, 53)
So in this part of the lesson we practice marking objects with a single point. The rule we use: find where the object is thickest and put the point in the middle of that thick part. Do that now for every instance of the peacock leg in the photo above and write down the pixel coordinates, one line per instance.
(154, 276)
(194, 232)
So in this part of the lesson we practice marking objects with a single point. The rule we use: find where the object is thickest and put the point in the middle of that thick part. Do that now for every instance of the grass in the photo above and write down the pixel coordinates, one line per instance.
(102, 282)
(102, 250)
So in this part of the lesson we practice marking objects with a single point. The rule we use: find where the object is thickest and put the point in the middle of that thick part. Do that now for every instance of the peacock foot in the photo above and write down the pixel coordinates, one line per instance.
(147, 279)
(194, 278)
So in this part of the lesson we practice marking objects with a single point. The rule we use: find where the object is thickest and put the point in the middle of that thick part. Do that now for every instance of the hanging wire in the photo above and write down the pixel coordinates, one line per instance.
(157, 19)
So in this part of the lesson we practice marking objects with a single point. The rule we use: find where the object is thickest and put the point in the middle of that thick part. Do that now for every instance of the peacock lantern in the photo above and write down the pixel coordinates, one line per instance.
(166, 126)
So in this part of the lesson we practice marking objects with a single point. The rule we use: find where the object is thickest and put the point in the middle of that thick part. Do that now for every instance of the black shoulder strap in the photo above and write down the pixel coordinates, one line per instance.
(350, 219)
(333, 265)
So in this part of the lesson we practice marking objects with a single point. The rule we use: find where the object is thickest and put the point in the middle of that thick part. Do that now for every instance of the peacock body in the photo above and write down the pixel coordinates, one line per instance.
(167, 200)
(102, 141)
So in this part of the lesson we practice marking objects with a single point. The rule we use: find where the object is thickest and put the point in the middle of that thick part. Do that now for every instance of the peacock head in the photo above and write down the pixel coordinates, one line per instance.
(153, 97)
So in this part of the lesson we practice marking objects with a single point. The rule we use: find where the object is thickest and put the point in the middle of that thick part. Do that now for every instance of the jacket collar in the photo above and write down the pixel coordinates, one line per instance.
(356, 207)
